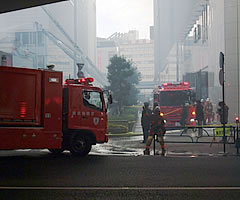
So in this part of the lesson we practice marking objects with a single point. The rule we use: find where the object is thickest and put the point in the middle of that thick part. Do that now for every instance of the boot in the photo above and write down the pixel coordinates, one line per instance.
(146, 152)
(163, 152)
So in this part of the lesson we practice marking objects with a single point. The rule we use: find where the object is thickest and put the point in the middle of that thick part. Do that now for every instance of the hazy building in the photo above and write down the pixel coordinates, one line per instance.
(212, 26)
(232, 56)
(170, 20)
(106, 49)
(51, 34)
(139, 51)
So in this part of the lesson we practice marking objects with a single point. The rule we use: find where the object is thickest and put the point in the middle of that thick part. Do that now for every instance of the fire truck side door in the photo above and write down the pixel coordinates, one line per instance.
(92, 110)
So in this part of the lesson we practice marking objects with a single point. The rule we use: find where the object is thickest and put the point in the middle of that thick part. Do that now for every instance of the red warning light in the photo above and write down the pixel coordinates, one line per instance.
(237, 119)
(86, 80)
(90, 79)
(166, 84)
(23, 109)
(79, 81)
(185, 83)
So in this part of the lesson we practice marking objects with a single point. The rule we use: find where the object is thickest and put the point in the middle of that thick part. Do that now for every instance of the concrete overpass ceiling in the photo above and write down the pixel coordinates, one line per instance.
(194, 16)
(13, 5)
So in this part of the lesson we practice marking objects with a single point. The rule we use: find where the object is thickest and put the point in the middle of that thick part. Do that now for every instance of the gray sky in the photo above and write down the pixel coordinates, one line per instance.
(124, 15)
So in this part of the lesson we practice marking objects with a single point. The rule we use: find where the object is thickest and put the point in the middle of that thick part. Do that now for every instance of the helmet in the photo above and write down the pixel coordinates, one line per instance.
(146, 104)
(156, 110)
(155, 105)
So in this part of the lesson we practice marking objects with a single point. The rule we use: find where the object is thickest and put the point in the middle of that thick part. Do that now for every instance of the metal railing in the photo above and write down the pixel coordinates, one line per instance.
(206, 134)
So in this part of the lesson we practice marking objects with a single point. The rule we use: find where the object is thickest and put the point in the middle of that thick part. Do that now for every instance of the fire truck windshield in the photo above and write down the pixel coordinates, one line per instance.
(174, 98)
(92, 99)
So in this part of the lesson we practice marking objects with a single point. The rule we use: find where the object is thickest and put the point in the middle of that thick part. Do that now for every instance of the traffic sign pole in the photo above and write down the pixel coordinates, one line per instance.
(222, 80)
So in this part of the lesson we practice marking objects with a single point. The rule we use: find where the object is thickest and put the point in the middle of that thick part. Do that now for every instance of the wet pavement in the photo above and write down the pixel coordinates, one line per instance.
(133, 146)
(178, 143)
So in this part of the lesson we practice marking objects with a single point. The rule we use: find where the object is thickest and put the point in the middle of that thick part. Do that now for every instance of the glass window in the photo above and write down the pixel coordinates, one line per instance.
(174, 98)
(92, 99)
(25, 37)
(40, 38)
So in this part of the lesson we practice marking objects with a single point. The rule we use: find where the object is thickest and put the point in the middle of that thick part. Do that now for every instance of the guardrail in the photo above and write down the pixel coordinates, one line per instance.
(206, 134)
(120, 126)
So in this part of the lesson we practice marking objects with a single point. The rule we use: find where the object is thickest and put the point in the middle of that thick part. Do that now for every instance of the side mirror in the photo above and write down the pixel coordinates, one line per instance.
(193, 96)
(110, 100)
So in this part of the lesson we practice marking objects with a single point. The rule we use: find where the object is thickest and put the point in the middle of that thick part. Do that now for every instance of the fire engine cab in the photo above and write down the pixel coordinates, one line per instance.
(176, 102)
(38, 112)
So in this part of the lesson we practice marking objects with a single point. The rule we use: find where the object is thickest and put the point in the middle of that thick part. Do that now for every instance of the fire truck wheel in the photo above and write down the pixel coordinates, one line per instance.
(80, 145)
(56, 151)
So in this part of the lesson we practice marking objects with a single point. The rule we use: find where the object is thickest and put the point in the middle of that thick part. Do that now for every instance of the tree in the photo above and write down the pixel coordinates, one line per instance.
(123, 78)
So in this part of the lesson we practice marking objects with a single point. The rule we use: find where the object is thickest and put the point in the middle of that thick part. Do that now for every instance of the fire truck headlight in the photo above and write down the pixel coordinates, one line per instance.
(192, 120)
(193, 113)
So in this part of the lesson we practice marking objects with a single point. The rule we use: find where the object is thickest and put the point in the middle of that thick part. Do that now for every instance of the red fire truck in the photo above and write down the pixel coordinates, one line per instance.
(176, 102)
(38, 112)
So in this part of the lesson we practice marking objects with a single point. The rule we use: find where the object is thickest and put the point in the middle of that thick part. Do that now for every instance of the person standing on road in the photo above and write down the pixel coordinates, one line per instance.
(223, 112)
(157, 128)
(155, 105)
(199, 116)
(208, 111)
(184, 116)
(145, 120)
(203, 102)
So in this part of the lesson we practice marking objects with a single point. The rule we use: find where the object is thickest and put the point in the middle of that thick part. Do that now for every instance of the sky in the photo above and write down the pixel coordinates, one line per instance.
(124, 15)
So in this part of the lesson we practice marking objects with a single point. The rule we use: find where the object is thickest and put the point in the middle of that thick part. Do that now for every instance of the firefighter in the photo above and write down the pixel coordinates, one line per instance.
(184, 116)
(208, 111)
(199, 116)
(146, 121)
(157, 128)
(223, 112)
(203, 102)
(155, 105)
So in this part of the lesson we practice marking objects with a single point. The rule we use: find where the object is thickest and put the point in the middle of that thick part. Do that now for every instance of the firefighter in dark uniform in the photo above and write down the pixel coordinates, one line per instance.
(223, 112)
(157, 128)
(199, 117)
(146, 121)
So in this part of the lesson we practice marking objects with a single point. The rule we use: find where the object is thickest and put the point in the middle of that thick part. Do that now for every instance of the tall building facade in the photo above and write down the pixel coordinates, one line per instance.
(59, 34)
(232, 55)
(106, 49)
(170, 18)
(139, 51)
(210, 27)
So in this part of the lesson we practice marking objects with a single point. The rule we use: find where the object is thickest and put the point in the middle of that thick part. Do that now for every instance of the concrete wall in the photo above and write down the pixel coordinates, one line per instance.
(232, 36)
(24, 21)
(170, 19)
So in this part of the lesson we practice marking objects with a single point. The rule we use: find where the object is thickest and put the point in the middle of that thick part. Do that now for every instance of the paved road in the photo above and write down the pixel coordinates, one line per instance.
(118, 170)
(134, 146)
(39, 175)
(183, 144)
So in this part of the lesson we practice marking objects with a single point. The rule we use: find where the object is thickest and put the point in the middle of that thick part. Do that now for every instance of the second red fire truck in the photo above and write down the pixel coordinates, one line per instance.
(176, 102)
(38, 112)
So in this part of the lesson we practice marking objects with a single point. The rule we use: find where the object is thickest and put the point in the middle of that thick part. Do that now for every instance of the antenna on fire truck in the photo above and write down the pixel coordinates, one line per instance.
(50, 67)
(80, 73)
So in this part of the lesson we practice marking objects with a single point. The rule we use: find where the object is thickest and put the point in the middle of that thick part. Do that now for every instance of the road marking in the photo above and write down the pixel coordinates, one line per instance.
(118, 188)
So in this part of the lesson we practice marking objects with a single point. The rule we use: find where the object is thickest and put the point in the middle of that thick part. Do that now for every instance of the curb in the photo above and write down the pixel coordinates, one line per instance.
(129, 134)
